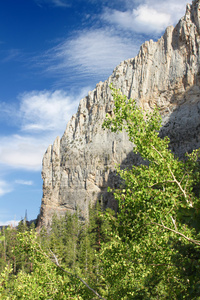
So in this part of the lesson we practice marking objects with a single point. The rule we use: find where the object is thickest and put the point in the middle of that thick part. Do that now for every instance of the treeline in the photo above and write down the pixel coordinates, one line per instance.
(72, 242)
(9, 244)
(149, 249)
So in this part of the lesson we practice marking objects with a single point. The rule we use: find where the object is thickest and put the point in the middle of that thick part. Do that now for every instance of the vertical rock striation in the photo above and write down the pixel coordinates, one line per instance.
(78, 168)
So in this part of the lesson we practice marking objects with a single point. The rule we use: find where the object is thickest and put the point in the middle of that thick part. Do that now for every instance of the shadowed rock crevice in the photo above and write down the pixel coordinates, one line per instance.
(183, 124)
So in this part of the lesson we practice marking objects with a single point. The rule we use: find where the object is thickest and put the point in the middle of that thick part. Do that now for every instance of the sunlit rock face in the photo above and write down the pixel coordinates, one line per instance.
(80, 166)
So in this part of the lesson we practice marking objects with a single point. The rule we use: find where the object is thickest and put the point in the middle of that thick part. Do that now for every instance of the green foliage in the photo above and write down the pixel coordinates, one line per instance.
(71, 243)
(94, 233)
(8, 243)
(63, 238)
(158, 217)
(45, 281)
(150, 249)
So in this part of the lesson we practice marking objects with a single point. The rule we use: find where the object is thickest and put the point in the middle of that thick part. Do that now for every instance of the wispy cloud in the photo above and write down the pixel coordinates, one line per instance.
(24, 182)
(94, 52)
(4, 188)
(91, 53)
(5, 109)
(46, 110)
(12, 54)
(57, 3)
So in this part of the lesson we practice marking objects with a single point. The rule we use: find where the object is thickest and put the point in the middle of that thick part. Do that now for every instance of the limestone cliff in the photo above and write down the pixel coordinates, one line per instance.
(78, 167)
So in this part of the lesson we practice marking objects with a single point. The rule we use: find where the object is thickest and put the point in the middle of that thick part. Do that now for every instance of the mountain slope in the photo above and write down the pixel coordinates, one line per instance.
(78, 167)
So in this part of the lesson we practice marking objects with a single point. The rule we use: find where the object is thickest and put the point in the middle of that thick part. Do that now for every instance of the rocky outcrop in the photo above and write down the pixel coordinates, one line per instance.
(78, 168)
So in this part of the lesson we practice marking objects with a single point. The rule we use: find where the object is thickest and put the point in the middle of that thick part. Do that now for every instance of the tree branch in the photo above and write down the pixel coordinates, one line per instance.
(74, 275)
(161, 182)
(177, 232)
(179, 185)
(71, 274)
(174, 222)
(175, 180)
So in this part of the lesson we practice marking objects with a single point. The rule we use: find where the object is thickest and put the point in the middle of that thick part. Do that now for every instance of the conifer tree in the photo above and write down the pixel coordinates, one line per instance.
(63, 238)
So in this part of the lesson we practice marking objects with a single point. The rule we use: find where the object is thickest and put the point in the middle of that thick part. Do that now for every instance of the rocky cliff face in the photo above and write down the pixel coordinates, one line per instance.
(78, 167)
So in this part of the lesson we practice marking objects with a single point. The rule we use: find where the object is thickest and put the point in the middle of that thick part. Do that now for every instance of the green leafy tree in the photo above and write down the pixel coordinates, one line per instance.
(154, 252)
(48, 278)
(149, 250)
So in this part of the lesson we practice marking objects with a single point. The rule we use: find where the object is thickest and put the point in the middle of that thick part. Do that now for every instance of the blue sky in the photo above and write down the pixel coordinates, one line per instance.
(52, 52)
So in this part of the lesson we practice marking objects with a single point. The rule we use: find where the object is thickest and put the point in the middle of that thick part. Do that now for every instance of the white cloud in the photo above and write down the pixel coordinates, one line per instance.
(45, 110)
(22, 152)
(176, 9)
(150, 17)
(43, 115)
(149, 20)
(24, 182)
(12, 223)
(93, 52)
(142, 19)
(4, 188)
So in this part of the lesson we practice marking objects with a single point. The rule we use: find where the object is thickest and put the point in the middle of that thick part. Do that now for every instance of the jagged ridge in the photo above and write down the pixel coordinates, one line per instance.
(78, 168)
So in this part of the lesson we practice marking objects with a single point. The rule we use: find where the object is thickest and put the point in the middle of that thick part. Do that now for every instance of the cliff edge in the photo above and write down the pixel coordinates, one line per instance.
(78, 168)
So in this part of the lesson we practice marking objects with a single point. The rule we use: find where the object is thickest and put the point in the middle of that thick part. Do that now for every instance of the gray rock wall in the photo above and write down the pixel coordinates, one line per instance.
(78, 167)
